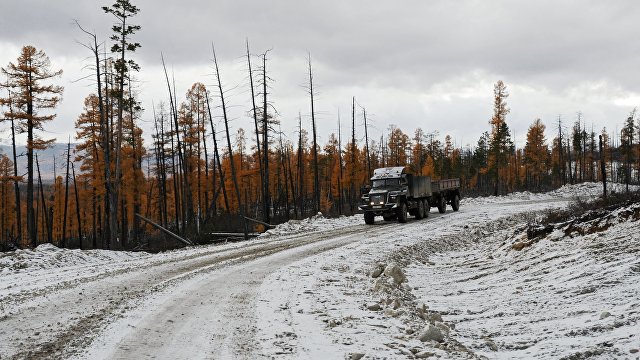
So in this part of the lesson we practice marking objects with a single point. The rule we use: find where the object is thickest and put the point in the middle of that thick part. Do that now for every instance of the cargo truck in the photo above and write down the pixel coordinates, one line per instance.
(395, 194)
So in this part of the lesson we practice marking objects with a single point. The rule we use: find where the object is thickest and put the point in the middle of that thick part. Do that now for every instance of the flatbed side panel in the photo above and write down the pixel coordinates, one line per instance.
(420, 186)
(446, 184)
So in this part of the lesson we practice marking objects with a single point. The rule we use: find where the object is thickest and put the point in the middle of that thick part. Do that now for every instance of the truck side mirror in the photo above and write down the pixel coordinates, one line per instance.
(365, 189)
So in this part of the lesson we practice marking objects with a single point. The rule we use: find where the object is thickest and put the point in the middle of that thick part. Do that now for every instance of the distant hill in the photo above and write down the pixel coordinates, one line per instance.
(55, 154)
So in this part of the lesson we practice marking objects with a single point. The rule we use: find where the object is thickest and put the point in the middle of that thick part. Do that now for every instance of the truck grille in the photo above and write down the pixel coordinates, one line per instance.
(377, 199)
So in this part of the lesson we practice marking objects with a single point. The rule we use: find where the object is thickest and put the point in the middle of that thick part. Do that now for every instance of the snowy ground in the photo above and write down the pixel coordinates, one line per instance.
(465, 284)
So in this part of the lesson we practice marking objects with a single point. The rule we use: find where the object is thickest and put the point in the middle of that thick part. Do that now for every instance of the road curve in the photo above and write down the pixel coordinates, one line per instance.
(166, 305)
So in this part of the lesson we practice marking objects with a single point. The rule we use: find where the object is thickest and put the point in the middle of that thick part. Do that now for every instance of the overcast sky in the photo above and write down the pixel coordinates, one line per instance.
(423, 63)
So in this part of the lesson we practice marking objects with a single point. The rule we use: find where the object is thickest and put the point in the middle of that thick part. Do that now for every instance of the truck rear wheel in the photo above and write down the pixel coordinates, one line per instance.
(442, 205)
(427, 208)
(402, 212)
(420, 210)
(369, 218)
(455, 203)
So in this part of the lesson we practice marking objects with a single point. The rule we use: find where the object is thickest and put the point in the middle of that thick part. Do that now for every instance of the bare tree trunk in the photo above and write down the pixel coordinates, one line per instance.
(216, 154)
(47, 219)
(366, 139)
(104, 130)
(293, 189)
(226, 125)
(159, 152)
(316, 176)
(562, 163)
(31, 220)
(75, 190)
(181, 162)
(340, 197)
(206, 163)
(603, 169)
(283, 165)
(353, 156)
(176, 185)
(16, 187)
(265, 142)
(301, 191)
(569, 156)
(66, 197)
(137, 166)
(255, 122)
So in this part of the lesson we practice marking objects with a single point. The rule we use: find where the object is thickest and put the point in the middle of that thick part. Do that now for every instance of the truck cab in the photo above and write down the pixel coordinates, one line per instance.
(389, 187)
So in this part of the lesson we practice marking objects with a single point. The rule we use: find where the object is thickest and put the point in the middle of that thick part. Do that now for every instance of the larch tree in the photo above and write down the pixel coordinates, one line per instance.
(536, 152)
(398, 143)
(92, 159)
(32, 95)
(500, 139)
(626, 148)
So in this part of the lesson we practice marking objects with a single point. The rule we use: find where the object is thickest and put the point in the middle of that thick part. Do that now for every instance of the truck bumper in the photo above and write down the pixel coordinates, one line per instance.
(379, 209)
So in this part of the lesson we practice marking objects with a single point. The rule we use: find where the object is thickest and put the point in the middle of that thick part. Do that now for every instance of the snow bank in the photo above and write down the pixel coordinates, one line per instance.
(582, 190)
(571, 294)
(314, 223)
(48, 256)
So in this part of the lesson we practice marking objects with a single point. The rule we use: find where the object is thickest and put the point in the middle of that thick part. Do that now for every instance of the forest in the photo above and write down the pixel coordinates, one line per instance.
(195, 176)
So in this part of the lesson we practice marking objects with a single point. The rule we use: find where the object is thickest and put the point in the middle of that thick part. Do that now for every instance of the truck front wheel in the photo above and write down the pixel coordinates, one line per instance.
(455, 203)
(402, 212)
(369, 218)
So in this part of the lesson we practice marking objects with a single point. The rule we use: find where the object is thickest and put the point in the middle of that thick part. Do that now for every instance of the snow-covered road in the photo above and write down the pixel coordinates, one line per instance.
(306, 290)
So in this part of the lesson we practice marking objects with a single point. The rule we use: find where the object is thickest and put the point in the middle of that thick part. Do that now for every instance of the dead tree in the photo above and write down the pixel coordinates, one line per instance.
(104, 133)
(216, 155)
(181, 162)
(352, 189)
(340, 176)
(255, 121)
(226, 126)
(301, 191)
(75, 190)
(366, 144)
(16, 186)
(66, 197)
(47, 218)
(316, 176)
(265, 142)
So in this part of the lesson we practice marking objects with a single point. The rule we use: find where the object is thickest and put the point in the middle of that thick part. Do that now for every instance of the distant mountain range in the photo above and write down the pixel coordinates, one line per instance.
(55, 154)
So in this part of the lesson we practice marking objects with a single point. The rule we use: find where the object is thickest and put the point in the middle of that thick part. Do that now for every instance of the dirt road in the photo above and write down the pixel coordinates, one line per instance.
(163, 306)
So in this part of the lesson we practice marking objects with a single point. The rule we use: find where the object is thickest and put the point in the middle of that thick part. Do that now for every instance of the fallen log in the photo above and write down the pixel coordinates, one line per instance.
(267, 225)
(186, 241)
(222, 234)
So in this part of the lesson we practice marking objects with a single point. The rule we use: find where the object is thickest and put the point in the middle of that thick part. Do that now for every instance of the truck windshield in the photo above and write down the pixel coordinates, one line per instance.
(385, 182)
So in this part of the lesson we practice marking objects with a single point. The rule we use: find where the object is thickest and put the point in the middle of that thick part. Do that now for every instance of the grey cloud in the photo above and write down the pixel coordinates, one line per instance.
(397, 47)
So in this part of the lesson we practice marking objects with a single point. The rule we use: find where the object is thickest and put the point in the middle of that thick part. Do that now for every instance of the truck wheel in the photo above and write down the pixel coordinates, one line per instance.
(442, 205)
(420, 210)
(369, 218)
(427, 208)
(402, 212)
(455, 203)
